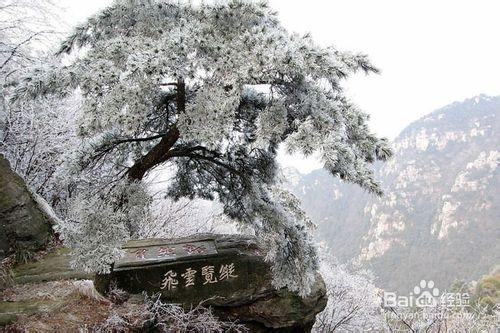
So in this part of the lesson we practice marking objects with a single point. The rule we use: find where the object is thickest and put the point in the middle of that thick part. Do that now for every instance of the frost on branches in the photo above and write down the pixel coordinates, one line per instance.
(34, 134)
(354, 303)
(213, 89)
(97, 226)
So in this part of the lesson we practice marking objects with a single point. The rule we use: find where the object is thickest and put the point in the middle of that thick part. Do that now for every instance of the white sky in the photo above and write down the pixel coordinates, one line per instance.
(431, 52)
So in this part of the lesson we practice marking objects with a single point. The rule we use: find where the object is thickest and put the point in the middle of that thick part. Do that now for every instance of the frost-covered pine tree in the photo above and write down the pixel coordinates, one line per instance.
(214, 89)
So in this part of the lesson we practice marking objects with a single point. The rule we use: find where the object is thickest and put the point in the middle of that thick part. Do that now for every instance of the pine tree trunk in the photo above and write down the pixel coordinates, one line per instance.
(155, 156)
(159, 153)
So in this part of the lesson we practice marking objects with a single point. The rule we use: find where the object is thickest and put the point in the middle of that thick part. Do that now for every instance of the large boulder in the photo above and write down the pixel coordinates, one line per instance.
(25, 223)
(226, 272)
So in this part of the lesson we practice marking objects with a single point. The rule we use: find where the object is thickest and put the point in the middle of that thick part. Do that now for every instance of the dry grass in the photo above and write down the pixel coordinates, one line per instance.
(75, 306)
(72, 306)
(5, 273)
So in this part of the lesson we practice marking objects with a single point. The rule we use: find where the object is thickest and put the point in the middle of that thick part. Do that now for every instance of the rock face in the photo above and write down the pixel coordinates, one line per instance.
(438, 219)
(227, 273)
(24, 225)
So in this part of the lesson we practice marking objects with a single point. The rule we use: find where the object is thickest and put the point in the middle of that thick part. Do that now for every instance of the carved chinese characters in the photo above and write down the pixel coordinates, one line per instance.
(226, 272)
(208, 275)
(169, 282)
(139, 255)
(166, 251)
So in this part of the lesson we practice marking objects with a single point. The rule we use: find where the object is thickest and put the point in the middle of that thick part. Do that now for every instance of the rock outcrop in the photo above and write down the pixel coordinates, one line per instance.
(225, 272)
(25, 226)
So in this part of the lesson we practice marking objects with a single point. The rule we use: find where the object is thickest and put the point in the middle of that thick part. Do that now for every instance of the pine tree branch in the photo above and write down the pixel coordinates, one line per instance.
(16, 48)
(159, 153)
(155, 156)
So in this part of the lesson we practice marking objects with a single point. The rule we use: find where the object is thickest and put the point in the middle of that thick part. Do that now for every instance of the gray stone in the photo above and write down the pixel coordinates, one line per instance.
(9, 311)
(24, 225)
(53, 266)
(225, 272)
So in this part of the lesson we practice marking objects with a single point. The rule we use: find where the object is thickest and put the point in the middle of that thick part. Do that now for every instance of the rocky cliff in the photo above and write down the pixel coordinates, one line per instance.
(439, 217)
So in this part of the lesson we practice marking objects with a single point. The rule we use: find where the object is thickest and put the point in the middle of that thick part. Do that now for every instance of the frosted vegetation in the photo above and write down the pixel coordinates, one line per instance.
(208, 92)
(353, 300)
(211, 90)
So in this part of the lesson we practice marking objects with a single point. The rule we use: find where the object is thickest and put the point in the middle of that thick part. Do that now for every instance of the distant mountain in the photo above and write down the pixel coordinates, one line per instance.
(440, 216)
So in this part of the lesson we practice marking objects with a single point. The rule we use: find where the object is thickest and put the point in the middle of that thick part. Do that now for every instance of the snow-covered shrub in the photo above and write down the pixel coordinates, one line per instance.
(98, 225)
(173, 318)
(114, 323)
(86, 289)
(354, 303)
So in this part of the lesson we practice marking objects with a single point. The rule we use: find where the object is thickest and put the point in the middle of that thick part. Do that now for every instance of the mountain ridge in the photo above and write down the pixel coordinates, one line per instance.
(438, 218)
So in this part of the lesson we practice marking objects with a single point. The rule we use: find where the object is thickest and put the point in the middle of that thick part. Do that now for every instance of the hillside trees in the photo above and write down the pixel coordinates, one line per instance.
(212, 89)
(34, 134)
(354, 303)
(24, 24)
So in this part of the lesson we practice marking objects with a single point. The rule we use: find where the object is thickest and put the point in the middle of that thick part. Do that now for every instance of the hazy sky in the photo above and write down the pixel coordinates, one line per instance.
(430, 52)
